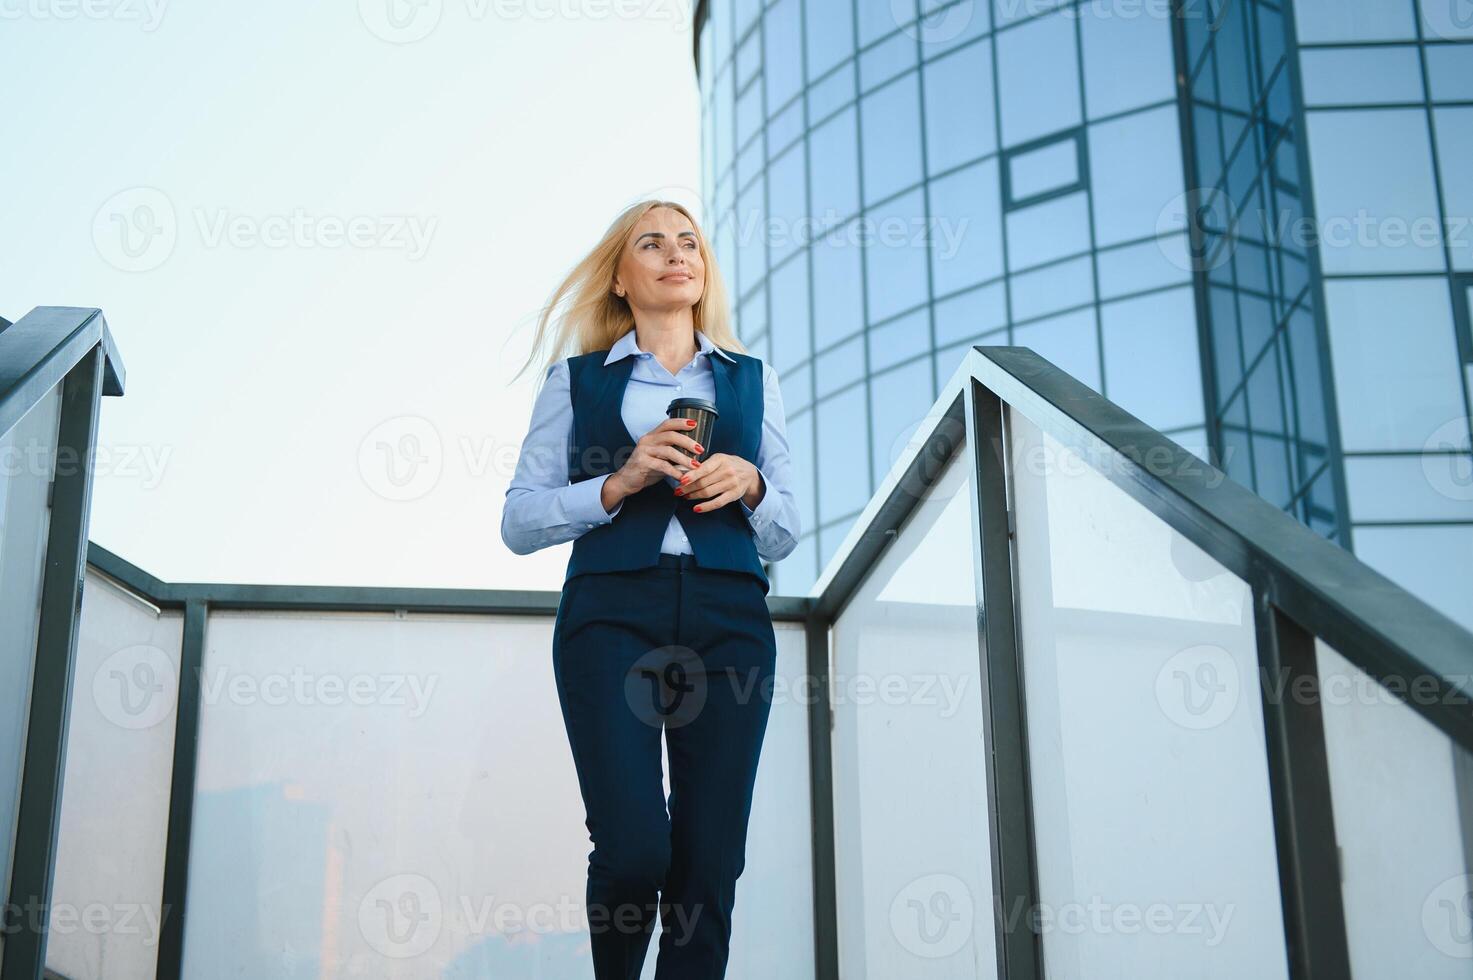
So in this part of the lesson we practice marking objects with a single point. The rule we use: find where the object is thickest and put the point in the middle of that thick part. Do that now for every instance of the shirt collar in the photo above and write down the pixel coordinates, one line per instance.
(628, 344)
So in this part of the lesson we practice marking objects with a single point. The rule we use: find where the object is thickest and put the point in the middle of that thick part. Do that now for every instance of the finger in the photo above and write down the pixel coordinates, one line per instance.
(721, 500)
(704, 476)
(707, 488)
(665, 438)
(673, 455)
(675, 424)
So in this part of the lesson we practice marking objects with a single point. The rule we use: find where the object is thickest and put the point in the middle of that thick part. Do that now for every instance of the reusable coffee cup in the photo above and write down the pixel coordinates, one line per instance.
(705, 415)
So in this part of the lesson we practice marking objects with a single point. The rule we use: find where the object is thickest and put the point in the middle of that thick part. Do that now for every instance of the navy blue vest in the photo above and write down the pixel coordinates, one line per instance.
(601, 443)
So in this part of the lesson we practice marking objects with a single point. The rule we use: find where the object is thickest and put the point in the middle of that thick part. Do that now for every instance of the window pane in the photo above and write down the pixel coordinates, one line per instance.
(1128, 61)
(959, 108)
(834, 183)
(1052, 288)
(1038, 73)
(902, 399)
(1450, 71)
(900, 339)
(830, 33)
(967, 231)
(786, 184)
(1447, 20)
(892, 56)
(1346, 76)
(843, 453)
(1374, 193)
(1131, 268)
(838, 367)
(1395, 361)
(788, 287)
(751, 238)
(749, 113)
(1430, 487)
(1043, 169)
(1151, 366)
(895, 258)
(831, 93)
(892, 138)
(974, 312)
(1433, 563)
(1048, 231)
(1354, 20)
(838, 309)
(782, 62)
(1135, 175)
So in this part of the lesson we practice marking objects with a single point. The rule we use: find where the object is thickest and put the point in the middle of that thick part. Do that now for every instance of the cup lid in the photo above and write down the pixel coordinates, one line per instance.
(700, 403)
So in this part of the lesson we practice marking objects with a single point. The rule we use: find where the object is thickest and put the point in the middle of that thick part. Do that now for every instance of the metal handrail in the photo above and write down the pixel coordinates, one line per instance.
(38, 350)
(1382, 628)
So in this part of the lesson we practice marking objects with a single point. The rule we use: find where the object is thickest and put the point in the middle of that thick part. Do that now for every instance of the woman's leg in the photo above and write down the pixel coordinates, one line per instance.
(606, 623)
(714, 748)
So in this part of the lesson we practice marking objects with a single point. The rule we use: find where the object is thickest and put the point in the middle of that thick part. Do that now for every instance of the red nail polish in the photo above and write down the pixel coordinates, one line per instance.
(697, 509)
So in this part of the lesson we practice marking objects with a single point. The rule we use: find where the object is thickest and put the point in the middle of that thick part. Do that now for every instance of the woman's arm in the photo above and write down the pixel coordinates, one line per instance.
(542, 508)
(774, 520)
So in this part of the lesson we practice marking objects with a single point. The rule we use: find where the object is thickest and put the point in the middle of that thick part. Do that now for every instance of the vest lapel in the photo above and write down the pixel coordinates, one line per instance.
(727, 437)
(610, 405)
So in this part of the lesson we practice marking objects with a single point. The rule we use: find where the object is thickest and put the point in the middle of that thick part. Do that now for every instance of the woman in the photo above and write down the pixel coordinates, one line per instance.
(663, 623)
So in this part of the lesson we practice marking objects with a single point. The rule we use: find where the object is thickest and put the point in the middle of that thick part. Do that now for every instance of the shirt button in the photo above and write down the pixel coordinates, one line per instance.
(685, 539)
(677, 387)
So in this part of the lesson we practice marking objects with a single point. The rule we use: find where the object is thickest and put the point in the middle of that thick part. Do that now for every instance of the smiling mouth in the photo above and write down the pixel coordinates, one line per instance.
(678, 275)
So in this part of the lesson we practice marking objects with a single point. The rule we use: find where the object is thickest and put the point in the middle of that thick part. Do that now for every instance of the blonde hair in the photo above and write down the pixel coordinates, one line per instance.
(593, 318)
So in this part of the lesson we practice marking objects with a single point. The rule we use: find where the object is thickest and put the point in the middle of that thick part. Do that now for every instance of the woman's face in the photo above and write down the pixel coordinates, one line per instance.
(661, 268)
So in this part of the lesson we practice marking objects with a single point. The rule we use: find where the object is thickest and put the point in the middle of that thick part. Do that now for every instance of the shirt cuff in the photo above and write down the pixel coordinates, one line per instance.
(584, 510)
(762, 514)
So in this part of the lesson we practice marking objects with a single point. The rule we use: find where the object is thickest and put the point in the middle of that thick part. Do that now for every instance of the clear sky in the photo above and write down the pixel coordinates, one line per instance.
(320, 233)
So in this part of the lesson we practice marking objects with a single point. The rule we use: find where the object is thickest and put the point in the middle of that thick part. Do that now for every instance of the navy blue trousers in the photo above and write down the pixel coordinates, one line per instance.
(690, 652)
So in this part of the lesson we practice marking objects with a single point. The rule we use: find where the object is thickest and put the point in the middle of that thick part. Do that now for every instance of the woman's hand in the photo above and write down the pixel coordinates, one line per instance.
(721, 479)
(654, 457)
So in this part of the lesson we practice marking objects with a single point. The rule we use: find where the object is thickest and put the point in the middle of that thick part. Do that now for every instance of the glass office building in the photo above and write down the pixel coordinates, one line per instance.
(1269, 262)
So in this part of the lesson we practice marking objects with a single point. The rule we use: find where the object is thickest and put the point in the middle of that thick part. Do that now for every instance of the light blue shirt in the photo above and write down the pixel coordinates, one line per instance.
(543, 508)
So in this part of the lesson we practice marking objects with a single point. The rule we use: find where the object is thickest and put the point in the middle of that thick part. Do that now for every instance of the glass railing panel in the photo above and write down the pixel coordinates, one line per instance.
(1401, 792)
(105, 919)
(914, 877)
(1153, 825)
(395, 798)
(27, 458)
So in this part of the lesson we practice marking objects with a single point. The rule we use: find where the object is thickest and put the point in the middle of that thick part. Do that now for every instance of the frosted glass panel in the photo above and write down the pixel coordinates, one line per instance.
(395, 798)
(1393, 781)
(27, 455)
(910, 795)
(1151, 801)
(115, 808)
